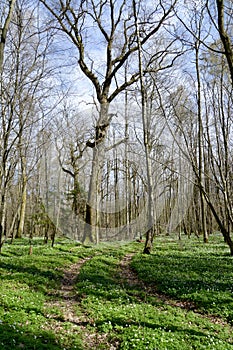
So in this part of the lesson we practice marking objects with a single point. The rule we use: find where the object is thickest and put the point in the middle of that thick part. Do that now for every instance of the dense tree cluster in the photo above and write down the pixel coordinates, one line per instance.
(116, 119)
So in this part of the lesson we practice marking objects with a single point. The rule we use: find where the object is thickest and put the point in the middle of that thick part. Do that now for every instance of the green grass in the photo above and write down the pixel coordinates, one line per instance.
(138, 321)
(116, 312)
(26, 284)
(191, 270)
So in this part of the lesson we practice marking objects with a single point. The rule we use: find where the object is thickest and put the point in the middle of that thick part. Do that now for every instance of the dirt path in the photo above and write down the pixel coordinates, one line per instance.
(130, 277)
(67, 302)
(65, 297)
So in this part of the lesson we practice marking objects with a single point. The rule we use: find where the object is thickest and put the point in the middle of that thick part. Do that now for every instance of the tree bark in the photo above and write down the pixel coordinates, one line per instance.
(147, 145)
(4, 30)
(23, 199)
(92, 222)
(225, 37)
(201, 181)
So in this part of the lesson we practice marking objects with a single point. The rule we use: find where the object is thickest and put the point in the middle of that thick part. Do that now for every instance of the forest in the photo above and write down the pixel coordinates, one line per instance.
(116, 165)
(116, 119)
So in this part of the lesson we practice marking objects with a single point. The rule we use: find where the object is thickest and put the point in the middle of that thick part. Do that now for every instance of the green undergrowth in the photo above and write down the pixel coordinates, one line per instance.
(114, 312)
(191, 270)
(27, 284)
(134, 320)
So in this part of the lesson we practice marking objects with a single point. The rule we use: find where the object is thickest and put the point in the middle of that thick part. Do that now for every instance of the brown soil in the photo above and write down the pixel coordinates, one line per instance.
(67, 302)
(130, 277)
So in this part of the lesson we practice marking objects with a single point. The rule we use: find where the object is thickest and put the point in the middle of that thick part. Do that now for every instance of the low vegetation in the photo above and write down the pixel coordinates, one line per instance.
(185, 301)
(192, 271)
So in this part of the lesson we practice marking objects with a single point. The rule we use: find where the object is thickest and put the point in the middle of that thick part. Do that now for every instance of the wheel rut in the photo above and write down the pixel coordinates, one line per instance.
(65, 297)
(67, 302)
(129, 276)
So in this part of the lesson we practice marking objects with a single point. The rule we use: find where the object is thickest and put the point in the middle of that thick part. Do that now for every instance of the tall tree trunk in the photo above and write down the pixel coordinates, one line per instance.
(23, 199)
(4, 30)
(117, 218)
(3, 34)
(3, 217)
(92, 225)
(46, 205)
(127, 173)
(225, 38)
(56, 209)
(147, 146)
(201, 182)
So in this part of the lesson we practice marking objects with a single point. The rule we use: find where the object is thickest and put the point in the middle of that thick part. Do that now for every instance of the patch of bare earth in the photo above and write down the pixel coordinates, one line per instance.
(67, 302)
(129, 276)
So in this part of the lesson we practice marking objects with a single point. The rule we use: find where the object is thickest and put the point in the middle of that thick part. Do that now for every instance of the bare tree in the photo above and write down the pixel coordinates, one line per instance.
(209, 144)
(109, 21)
(218, 97)
(24, 70)
(71, 135)
(200, 171)
(6, 12)
(224, 8)
(147, 142)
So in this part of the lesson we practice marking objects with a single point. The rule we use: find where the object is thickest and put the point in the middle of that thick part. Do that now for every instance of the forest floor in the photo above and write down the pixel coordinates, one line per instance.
(113, 297)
